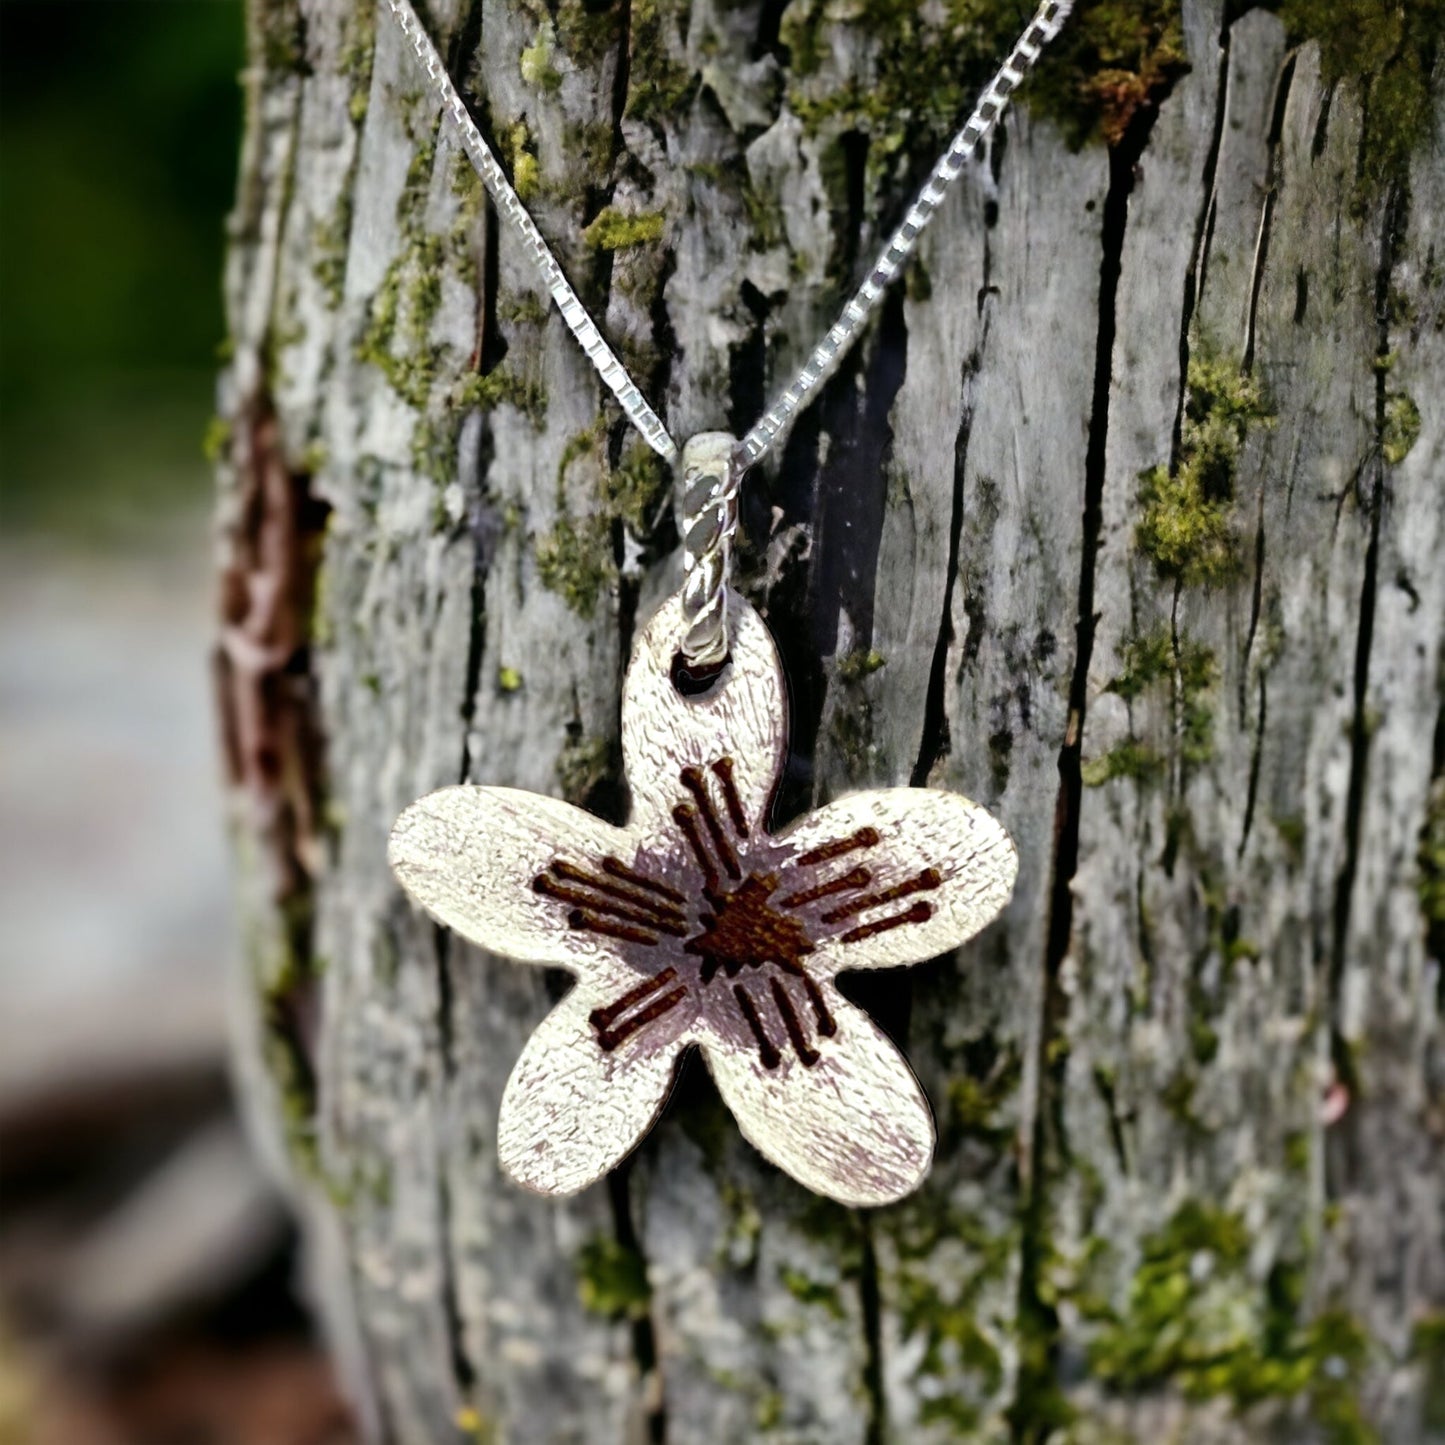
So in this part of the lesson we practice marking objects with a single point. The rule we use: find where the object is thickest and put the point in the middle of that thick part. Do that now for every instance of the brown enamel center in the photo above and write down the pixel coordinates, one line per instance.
(743, 931)
(743, 926)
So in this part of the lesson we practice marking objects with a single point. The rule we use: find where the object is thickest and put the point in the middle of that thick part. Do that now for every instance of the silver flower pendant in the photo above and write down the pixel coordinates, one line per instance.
(695, 924)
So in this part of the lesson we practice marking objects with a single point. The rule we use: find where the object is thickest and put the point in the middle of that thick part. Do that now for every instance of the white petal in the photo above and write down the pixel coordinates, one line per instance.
(930, 870)
(572, 1111)
(472, 857)
(854, 1126)
(740, 724)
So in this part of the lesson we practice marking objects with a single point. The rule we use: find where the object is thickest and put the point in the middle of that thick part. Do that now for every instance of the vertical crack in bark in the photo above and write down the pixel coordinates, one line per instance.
(1256, 756)
(1266, 213)
(1038, 1318)
(643, 1331)
(853, 493)
(463, 1371)
(936, 740)
(852, 500)
(621, 77)
(1432, 878)
(1203, 237)
(1372, 476)
(491, 348)
(870, 1304)
(770, 24)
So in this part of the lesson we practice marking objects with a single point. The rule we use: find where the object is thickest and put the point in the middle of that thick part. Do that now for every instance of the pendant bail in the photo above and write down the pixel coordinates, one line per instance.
(707, 518)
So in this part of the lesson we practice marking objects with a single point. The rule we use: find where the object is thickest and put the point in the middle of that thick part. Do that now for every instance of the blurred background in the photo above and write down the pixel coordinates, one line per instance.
(148, 1279)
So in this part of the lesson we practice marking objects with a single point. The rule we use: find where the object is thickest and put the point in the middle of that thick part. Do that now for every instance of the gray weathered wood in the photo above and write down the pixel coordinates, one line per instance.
(1188, 1181)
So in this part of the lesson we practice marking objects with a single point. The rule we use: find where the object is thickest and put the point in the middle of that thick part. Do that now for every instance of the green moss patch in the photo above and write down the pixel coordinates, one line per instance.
(357, 53)
(855, 666)
(1187, 523)
(612, 1279)
(1186, 671)
(584, 765)
(1198, 1320)
(574, 560)
(946, 1316)
(1402, 427)
(1387, 50)
(615, 230)
(657, 84)
(1128, 759)
(1113, 58)
(535, 62)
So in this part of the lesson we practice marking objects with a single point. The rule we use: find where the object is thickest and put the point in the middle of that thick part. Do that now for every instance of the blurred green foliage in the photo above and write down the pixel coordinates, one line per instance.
(119, 128)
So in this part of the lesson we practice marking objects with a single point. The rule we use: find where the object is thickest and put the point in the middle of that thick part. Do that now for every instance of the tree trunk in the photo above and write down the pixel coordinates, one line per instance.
(1125, 521)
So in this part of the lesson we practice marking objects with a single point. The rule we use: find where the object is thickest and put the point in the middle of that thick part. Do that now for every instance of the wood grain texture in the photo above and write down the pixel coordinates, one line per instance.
(1187, 1088)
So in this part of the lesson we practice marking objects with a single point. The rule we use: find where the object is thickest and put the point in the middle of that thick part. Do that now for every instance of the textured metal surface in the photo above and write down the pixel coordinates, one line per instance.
(696, 925)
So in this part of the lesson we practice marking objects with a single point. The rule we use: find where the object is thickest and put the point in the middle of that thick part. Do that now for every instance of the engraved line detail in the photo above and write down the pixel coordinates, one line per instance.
(857, 878)
(723, 771)
(618, 869)
(692, 780)
(686, 819)
(767, 1050)
(826, 1025)
(863, 838)
(806, 1052)
(570, 873)
(609, 1038)
(919, 913)
(596, 904)
(585, 923)
(930, 878)
(605, 1017)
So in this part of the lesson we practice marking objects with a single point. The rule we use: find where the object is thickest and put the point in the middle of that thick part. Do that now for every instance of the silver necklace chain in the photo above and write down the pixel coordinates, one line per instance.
(713, 464)
(509, 204)
(830, 351)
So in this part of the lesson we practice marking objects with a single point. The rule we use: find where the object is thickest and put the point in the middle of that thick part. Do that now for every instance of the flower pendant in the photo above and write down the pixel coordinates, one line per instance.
(696, 925)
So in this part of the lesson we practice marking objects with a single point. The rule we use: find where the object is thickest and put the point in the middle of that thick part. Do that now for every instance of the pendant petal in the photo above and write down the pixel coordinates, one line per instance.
(573, 1109)
(526, 876)
(897, 876)
(853, 1124)
(721, 750)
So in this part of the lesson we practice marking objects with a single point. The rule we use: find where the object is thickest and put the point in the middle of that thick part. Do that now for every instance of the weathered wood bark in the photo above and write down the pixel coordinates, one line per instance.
(1125, 521)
